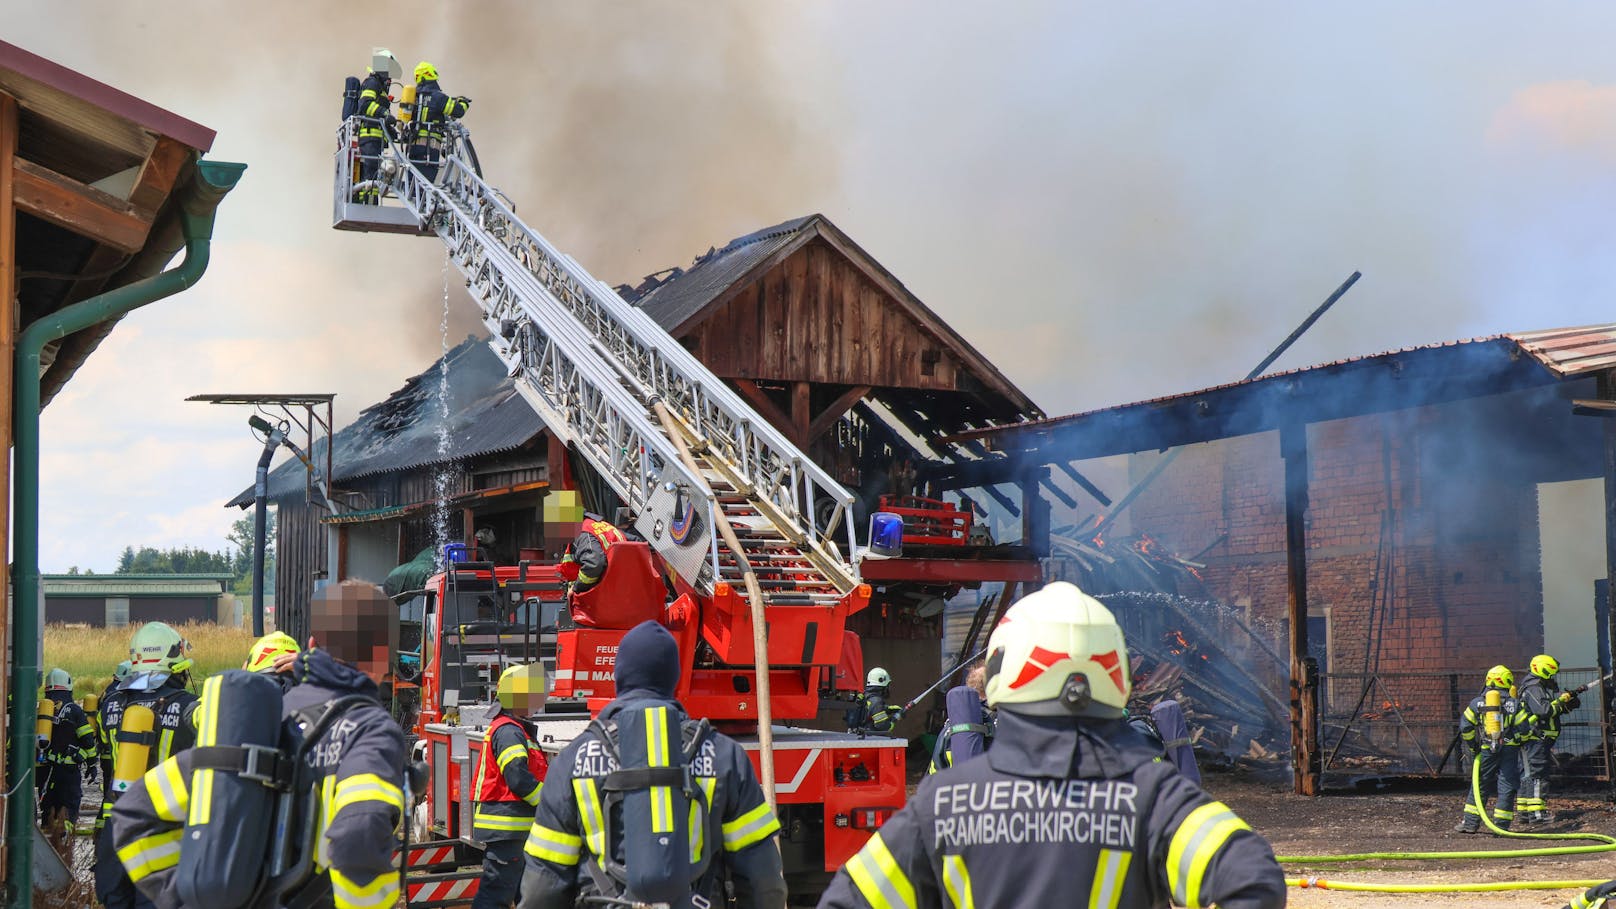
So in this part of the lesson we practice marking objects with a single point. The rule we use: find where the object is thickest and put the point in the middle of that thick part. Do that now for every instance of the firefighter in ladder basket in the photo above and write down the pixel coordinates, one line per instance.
(1070, 803)
(585, 561)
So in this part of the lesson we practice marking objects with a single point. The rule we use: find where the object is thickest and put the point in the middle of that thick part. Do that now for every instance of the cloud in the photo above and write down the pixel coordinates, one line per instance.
(1573, 116)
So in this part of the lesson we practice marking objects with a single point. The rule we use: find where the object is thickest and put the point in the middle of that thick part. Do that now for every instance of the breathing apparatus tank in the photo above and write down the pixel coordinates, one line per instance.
(134, 746)
(406, 104)
(42, 724)
(1493, 718)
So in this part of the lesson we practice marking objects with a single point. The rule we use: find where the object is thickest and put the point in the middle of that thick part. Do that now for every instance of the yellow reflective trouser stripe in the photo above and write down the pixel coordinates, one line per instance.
(589, 812)
(1111, 871)
(957, 880)
(553, 845)
(144, 857)
(877, 875)
(500, 821)
(366, 787)
(166, 788)
(749, 828)
(383, 891)
(1194, 844)
(698, 829)
(519, 750)
(656, 753)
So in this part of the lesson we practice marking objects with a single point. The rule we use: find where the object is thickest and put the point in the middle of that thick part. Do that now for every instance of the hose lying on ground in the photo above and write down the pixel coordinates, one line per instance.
(1603, 844)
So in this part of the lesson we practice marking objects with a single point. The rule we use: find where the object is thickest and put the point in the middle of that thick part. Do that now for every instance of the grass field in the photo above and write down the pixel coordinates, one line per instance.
(91, 654)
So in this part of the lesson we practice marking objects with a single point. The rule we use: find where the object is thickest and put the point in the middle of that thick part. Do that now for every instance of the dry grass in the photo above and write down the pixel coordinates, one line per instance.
(91, 654)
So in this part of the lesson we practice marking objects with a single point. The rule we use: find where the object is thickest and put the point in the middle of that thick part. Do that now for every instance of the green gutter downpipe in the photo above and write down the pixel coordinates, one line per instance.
(212, 180)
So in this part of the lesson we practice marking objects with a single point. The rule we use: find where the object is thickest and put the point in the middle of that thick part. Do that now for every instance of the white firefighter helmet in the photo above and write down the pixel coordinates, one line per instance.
(1059, 652)
(878, 678)
(58, 680)
(156, 647)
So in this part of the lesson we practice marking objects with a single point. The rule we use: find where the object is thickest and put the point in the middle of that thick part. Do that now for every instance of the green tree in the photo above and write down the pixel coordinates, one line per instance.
(241, 537)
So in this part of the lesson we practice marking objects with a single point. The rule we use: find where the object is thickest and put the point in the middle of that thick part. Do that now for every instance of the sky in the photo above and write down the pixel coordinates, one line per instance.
(1111, 201)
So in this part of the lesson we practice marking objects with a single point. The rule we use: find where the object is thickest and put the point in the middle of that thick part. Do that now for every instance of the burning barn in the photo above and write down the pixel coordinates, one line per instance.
(1349, 546)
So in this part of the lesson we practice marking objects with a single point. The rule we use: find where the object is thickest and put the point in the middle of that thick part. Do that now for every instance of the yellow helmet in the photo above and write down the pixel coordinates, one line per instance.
(1500, 677)
(522, 689)
(268, 649)
(1545, 666)
(425, 72)
(1059, 652)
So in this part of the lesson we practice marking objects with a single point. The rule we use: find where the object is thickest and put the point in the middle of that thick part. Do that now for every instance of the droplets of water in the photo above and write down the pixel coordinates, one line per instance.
(441, 536)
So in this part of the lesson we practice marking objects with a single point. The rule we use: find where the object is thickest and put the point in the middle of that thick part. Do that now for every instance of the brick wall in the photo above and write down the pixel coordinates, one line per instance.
(1450, 549)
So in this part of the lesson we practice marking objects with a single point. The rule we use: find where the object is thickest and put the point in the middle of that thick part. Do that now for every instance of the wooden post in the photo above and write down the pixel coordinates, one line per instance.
(1305, 758)
(341, 572)
(1034, 513)
(801, 414)
(8, 341)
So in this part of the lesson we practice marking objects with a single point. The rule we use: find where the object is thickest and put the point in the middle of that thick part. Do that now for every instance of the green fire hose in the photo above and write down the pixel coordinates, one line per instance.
(1603, 843)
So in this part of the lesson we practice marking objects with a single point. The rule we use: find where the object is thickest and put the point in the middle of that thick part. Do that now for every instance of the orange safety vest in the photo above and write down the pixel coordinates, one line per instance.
(491, 786)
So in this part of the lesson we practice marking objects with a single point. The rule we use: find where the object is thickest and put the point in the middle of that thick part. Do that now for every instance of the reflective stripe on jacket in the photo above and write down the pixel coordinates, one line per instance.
(510, 776)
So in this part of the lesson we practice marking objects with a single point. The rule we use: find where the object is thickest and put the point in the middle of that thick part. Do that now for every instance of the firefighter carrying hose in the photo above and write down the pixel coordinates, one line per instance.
(510, 776)
(1070, 806)
(145, 721)
(651, 806)
(585, 561)
(870, 713)
(1542, 697)
(357, 763)
(67, 741)
(1493, 726)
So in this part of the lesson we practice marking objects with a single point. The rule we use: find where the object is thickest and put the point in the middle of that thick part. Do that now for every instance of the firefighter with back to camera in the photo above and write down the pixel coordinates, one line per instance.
(70, 743)
(355, 763)
(650, 806)
(434, 108)
(144, 721)
(1493, 726)
(1070, 806)
(1541, 695)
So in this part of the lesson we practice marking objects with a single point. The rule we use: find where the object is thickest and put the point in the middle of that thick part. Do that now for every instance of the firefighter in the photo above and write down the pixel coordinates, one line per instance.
(870, 712)
(1498, 755)
(578, 838)
(968, 728)
(159, 673)
(585, 561)
(1070, 804)
(72, 743)
(510, 776)
(358, 763)
(374, 110)
(104, 741)
(266, 655)
(1541, 695)
(433, 109)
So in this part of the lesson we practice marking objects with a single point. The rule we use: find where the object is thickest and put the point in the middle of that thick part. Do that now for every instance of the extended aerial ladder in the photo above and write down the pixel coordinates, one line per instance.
(592, 366)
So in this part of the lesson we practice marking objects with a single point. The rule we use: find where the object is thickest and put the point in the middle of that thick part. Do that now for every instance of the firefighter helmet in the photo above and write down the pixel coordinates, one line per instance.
(1500, 677)
(158, 648)
(58, 680)
(878, 678)
(522, 689)
(425, 72)
(268, 649)
(1059, 652)
(1545, 666)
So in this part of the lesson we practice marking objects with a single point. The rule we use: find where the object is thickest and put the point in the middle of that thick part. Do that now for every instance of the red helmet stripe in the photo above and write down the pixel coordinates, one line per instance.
(1038, 662)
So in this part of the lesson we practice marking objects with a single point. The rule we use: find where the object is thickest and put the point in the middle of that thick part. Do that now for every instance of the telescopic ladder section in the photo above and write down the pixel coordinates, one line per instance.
(591, 365)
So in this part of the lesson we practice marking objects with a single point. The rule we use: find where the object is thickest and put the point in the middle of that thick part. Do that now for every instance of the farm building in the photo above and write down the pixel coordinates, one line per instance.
(115, 600)
(808, 327)
(1370, 534)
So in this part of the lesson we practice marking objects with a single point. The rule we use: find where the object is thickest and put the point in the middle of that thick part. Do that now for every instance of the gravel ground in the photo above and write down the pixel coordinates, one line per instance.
(1413, 821)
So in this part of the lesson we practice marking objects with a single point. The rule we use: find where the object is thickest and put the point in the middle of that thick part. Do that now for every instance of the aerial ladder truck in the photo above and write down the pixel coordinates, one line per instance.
(737, 521)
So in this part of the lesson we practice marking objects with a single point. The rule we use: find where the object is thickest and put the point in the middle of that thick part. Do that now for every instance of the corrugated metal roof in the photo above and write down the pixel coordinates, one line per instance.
(486, 416)
(1565, 352)
(687, 292)
(121, 585)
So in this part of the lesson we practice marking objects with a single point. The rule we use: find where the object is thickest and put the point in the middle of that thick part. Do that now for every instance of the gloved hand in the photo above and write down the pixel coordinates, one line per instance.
(1570, 701)
(92, 771)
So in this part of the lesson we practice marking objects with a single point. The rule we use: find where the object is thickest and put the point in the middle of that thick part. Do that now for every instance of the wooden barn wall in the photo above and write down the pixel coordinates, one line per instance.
(299, 560)
(815, 317)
